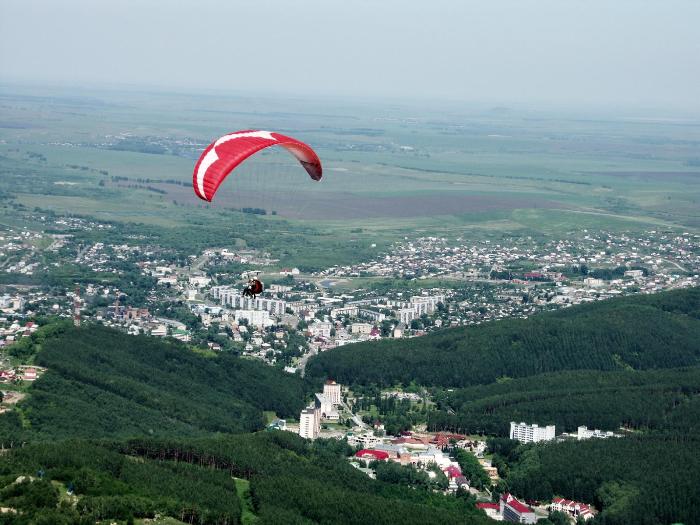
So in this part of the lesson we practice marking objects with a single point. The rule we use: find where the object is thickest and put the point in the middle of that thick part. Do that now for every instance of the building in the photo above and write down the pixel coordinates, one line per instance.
(531, 433)
(515, 511)
(322, 329)
(310, 423)
(584, 433)
(360, 328)
(492, 510)
(573, 508)
(325, 407)
(259, 318)
(350, 311)
(332, 392)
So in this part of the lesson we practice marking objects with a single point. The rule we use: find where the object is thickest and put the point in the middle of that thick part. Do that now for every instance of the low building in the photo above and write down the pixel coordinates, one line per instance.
(584, 433)
(573, 508)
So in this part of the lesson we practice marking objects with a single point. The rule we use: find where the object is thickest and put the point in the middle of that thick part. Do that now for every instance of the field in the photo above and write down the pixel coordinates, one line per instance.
(390, 170)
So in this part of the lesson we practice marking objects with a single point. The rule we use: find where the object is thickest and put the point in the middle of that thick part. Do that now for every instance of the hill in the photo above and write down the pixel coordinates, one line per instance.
(630, 333)
(103, 383)
(645, 479)
(637, 399)
(289, 481)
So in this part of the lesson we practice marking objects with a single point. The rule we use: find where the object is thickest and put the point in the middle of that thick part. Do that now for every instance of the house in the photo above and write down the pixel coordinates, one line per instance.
(573, 508)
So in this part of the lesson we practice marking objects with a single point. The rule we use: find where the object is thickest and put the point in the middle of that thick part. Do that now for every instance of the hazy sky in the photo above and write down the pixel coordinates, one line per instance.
(628, 52)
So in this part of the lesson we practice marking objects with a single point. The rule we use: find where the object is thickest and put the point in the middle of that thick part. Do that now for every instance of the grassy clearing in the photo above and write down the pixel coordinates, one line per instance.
(248, 517)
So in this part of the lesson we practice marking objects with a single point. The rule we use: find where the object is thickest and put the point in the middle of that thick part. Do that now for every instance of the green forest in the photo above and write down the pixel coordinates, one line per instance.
(645, 479)
(290, 481)
(635, 399)
(103, 383)
(129, 427)
(630, 333)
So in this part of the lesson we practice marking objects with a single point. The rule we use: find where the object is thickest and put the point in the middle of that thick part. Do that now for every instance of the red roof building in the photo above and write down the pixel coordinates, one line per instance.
(515, 511)
(371, 455)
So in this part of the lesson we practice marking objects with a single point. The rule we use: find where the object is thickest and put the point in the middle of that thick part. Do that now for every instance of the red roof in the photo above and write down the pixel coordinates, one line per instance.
(514, 504)
(377, 454)
(494, 506)
(452, 471)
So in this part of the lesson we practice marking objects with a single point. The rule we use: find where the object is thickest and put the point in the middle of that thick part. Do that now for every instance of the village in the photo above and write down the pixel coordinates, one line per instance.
(451, 463)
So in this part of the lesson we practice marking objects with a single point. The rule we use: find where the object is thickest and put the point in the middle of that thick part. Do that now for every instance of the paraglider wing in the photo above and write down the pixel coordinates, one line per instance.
(222, 156)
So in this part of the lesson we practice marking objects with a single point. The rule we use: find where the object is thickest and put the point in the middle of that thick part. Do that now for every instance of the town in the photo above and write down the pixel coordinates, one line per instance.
(420, 285)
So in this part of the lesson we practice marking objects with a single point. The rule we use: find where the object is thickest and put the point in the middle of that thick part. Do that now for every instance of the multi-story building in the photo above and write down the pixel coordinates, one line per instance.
(515, 511)
(360, 328)
(322, 329)
(373, 315)
(234, 298)
(259, 318)
(332, 392)
(531, 433)
(406, 315)
(350, 311)
(310, 423)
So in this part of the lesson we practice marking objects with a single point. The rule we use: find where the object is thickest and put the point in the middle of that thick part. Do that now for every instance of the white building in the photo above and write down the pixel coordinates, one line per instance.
(406, 315)
(531, 433)
(332, 392)
(324, 405)
(344, 310)
(234, 298)
(322, 329)
(259, 318)
(360, 328)
(584, 433)
(310, 423)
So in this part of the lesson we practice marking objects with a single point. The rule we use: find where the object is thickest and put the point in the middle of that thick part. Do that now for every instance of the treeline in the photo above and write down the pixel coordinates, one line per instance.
(103, 383)
(647, 479)
(649, 399)
(637, 332)
(291, 481)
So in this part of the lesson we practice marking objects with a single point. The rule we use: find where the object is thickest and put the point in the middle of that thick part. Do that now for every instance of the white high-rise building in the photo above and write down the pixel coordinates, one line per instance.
(259, 318)
(531, 433)
(332, 391)
(310, 423)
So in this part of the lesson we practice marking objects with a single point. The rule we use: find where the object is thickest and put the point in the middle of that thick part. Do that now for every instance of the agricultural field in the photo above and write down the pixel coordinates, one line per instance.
(390, 170)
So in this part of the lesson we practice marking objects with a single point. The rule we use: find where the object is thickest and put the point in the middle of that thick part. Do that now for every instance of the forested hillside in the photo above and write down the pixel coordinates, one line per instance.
(646, 479)
(631, 333)
(638, 399)
(103, 383)
(290, 481)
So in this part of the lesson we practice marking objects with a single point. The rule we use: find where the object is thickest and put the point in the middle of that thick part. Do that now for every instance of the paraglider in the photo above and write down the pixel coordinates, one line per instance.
(226, 153)
(222, 156)
(253, 289)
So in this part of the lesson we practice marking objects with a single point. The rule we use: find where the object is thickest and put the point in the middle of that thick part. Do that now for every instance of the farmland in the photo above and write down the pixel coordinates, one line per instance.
(127, 157)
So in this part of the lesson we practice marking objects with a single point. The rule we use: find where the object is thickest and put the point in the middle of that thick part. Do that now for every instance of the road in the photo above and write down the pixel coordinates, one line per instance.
(304, 359)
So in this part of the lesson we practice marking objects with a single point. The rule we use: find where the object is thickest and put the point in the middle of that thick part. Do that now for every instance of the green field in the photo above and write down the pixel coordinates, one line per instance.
(388, 170)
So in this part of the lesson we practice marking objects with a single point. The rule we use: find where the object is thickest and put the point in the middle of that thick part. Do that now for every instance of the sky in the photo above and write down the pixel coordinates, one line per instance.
(629, 53)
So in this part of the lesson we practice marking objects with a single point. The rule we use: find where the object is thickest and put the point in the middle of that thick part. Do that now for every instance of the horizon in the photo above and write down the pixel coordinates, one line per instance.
(597, 54)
